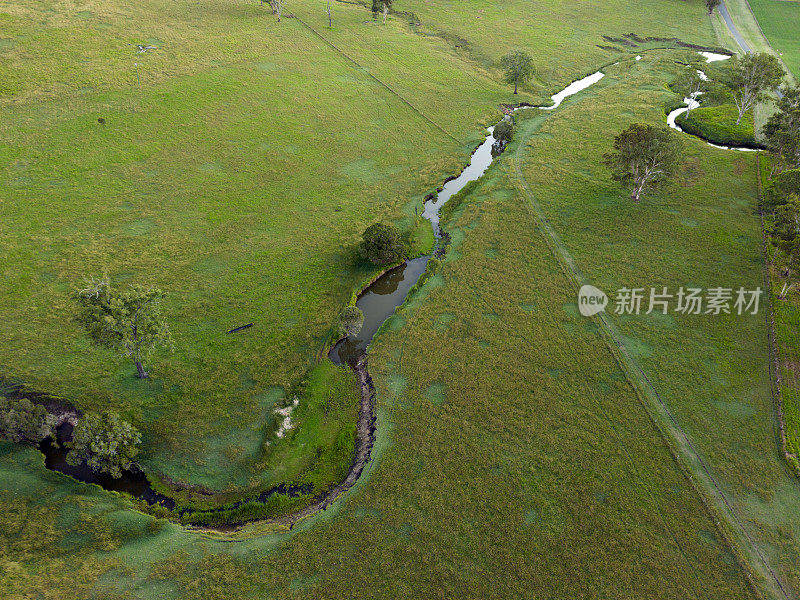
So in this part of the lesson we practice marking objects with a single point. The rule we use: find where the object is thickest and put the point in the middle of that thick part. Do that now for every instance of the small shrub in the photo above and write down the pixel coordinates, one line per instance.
(503, 131)
(351, 320)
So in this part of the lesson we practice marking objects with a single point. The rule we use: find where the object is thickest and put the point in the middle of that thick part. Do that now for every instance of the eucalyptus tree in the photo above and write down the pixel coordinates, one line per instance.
(127, 320)
(782, 131)
(518, 67)
(643, 156)
(754, 76)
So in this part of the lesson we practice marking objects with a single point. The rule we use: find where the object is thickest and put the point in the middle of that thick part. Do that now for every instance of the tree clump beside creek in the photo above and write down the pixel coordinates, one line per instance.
(782, 131)
(382, 244)
(351, 320)
(127, 320)
(22, 421)
(643, 157)
(106, 442)
(503, 133)
(517, 67)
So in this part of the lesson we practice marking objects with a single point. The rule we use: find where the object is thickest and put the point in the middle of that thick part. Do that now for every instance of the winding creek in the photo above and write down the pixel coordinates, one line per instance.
(692, 102)
(378, 302)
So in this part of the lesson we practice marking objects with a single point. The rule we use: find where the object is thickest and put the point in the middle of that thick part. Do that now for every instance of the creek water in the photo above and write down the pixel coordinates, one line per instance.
(133, 482)
(381, 298)
(378, 303)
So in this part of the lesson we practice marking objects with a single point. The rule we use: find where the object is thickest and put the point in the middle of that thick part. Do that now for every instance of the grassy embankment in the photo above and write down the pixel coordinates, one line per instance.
(717, 124)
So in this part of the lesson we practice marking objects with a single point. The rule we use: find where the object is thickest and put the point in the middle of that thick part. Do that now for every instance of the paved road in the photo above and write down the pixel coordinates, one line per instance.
(723, 10)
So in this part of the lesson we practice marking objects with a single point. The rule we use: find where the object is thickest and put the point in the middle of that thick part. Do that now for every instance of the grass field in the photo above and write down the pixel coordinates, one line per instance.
(779, 20)
(785, 302)
(700, 233)
(207, 181)
(513, 458)
(210, 185)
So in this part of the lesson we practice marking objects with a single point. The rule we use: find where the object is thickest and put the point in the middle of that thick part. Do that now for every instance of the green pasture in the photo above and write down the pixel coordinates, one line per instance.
(717, 124)
(211, 184)
(780, 22)
(702, 231)
(513, 458)
(208, 179)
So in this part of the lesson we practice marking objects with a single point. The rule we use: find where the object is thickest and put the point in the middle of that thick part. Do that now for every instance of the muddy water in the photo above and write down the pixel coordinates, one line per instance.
(378, 303)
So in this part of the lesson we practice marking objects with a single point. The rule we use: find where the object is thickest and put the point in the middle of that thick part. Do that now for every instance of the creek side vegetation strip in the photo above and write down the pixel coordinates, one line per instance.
(681, 447)
(774, 355)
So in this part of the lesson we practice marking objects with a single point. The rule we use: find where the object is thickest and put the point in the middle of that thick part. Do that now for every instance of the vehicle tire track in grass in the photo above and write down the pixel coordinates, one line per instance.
(603, 413)
(686, 454)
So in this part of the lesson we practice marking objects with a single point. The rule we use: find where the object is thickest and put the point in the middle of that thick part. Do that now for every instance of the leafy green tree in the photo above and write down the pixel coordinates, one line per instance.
(782, 189)
(518, 67)
(782, 131)
(381, 244)
(787, 221)
(105, 441)
(23, 421)
(502, 133)
(126, 320)
(643, 157)
(351, 320)
(786, 231)
(712, 4)
(753, 77)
